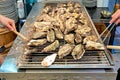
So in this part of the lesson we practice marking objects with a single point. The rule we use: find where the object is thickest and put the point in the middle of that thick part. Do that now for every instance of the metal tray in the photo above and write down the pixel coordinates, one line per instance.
(91, 59)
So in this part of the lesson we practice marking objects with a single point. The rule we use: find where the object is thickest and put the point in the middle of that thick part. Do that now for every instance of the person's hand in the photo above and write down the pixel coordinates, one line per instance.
(115, 17)
(1, 59)
(7, 22)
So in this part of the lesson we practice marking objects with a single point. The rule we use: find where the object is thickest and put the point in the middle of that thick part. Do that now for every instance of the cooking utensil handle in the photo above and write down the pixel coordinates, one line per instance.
(20, 35)
(113, 47)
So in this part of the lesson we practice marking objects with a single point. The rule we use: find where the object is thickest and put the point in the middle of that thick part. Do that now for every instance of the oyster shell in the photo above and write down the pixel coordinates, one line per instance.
(78, 51)
(83, 30)
(90, 45)
(78, 38)
(58, 33)
(47, 61)
(39, 34)
(51, 47)
(50, 35)
(65, 50)
(37, 42)
(69, 38)
(90, 38)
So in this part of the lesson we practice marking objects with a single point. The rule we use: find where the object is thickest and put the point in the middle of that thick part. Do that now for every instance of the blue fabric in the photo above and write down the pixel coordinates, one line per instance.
(9, 65)
(30, 1)
(117, 38)
(111, 5)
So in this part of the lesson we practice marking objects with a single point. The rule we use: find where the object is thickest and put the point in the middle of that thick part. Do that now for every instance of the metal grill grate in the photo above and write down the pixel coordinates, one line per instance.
(91, 59)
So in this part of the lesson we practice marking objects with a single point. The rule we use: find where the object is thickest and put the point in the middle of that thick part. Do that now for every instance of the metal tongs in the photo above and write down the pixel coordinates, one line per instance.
(112, 24)
(109, 46)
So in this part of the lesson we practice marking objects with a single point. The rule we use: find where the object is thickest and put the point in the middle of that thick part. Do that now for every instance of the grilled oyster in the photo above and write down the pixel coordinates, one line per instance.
(42, 27)
(70, 25)
(39, 34)
(45, 17)
(50, 35)
(69, 38)
(83, 30)
(51, 47)
(61, 25)
(46, 10)
(65, 50)
(40, 24)
(78, 38)
(37, 42)
(47, 61)
(77, 5)
(90, 45)
(90, 38)
(58, 33)
(78, 51)
(70, 4)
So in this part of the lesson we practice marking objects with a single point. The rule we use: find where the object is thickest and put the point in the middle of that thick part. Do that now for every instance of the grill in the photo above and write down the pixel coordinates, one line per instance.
(91, 58)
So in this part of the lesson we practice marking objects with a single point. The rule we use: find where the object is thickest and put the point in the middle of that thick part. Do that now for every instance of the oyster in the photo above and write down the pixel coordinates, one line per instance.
(51, 47)
(90, 38)
(70, 25)
(69, 38)
(83, 30)
(39, 34)
(37, 42)
(77, 5)
(45, 17)
(41, 24)
(50, 35)
(78, 51)
(78, 38)
(46, 9)
(41, 27)
(58, 33)
(61, 25)
(94, 45)
(65, 50)
(47, 61)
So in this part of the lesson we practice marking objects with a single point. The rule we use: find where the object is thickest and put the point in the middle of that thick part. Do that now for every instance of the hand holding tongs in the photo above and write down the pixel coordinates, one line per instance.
(109, 46)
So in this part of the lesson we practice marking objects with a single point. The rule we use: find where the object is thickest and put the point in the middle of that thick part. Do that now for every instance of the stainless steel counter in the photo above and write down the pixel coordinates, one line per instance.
(10, 71)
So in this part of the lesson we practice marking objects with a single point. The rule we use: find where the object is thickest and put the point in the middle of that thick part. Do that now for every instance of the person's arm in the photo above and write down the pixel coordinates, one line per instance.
(7, 22)
(115, 17)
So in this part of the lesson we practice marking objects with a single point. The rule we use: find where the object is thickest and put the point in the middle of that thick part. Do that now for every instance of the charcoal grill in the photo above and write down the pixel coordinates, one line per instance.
(91, 58)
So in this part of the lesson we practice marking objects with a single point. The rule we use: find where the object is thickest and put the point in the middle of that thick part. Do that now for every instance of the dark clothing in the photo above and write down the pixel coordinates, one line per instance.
(118, 75)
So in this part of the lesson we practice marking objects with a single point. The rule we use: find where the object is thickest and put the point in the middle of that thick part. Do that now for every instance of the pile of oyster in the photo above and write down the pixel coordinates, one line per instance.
(66, 28)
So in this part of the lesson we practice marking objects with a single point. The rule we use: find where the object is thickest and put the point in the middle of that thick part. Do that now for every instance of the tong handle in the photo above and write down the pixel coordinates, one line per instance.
(113, 47)
(20, 35)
